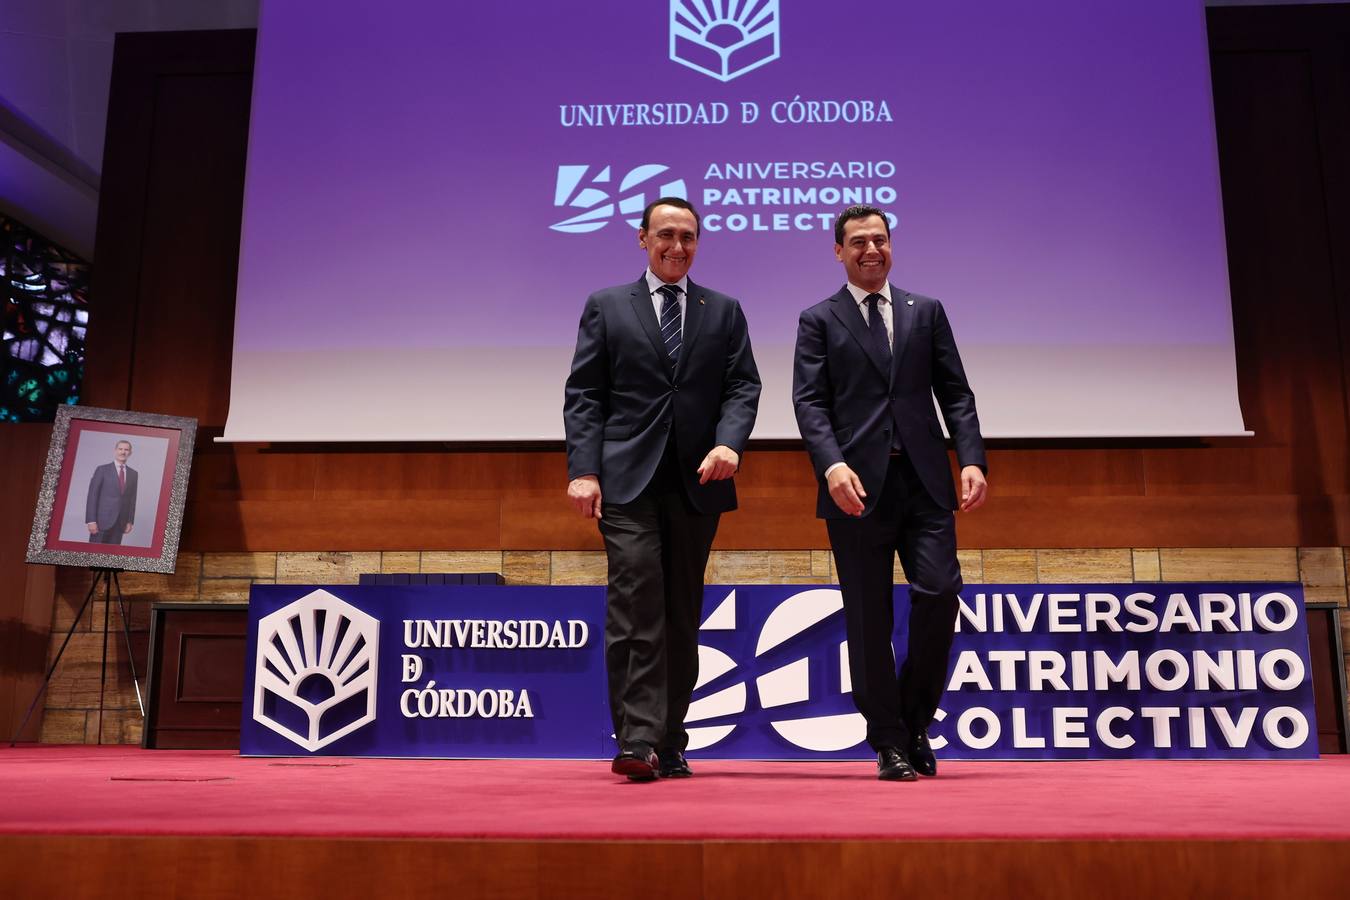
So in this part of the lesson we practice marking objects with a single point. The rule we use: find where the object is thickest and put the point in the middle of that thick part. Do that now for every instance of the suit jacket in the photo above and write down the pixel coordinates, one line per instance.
(106, 503)
(848, 402)
(622, 400)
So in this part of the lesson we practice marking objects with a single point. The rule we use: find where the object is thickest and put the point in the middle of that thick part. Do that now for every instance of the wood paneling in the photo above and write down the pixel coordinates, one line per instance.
(281, 506)
(185, 298)
(25, 591)
(155, 867)
(195, 687)
(1079, 472)
(342, 525)
(167, 241)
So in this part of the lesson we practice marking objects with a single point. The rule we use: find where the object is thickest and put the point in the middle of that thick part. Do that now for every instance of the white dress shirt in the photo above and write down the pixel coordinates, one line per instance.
(654, 285)
(883, 306)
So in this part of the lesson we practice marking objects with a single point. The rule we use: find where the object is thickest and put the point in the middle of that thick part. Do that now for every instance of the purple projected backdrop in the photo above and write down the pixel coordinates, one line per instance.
(434, 188)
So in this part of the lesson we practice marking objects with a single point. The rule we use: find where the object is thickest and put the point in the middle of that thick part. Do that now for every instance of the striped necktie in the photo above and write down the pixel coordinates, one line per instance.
(670, 322)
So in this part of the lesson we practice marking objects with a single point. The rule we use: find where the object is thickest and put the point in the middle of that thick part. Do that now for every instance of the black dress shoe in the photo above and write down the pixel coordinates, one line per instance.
(637, 760)
(893, 766)
(673, 764)
(921, 755)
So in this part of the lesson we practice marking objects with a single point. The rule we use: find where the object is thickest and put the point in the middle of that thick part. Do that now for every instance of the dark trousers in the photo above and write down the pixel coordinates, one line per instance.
(112, 535)
(909, 522)
(657, 547)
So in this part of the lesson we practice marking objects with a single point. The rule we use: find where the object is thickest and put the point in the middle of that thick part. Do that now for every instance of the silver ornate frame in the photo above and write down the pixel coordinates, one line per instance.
(172, 526)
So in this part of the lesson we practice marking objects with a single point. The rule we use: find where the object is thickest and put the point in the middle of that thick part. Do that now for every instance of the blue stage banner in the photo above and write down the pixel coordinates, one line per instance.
(1048, 671)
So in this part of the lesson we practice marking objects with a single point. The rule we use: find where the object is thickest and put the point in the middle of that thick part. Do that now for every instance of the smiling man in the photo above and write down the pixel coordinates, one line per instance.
(657, 409)
(869, 362)
(110, 502)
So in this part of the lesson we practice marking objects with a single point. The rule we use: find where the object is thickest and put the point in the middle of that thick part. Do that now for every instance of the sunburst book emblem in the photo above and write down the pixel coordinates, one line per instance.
(314, 679)
(724, 38)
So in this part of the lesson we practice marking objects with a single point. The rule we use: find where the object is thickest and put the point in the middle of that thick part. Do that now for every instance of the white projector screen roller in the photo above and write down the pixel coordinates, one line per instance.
(433, 189)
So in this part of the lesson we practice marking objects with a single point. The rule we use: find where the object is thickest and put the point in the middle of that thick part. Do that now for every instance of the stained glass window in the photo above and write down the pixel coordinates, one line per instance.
(45, 289)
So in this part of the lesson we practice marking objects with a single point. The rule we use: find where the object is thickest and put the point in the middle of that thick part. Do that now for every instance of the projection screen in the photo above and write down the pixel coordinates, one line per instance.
(434, 188)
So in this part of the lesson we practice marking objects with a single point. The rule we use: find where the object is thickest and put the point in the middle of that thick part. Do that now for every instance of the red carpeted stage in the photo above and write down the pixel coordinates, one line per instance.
(165, 823)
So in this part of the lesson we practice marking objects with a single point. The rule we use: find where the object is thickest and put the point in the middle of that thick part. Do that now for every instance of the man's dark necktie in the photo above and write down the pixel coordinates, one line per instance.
(877, 330)
(670, 322)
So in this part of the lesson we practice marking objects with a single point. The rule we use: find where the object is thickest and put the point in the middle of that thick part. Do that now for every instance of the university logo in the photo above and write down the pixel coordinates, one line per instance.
(593, 195)
(314, 673)
(784, 687)
(724, 38)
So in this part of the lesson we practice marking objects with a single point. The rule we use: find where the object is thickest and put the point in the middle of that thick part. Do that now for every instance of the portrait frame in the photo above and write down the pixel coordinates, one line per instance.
(82, 440)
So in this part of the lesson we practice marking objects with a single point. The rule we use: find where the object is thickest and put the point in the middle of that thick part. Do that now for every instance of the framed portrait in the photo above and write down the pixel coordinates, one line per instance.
(113, 490)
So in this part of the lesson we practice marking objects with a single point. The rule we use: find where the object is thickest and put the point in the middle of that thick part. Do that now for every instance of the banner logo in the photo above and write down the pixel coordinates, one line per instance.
(574, 190)
(1043, 671)
(724, 38)
(785, 684)
(314, 676)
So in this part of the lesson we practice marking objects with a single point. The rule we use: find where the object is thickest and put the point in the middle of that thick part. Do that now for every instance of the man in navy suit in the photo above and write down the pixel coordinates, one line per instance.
(869, 362)
(657, 409)
(110, 505)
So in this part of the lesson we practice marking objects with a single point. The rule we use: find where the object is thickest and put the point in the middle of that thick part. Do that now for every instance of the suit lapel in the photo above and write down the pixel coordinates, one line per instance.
(847, 312)
(693, 317)
(902, 322)
(641, 298)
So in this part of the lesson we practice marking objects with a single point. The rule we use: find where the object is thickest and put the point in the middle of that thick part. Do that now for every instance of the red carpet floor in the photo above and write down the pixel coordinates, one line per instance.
(122, 790)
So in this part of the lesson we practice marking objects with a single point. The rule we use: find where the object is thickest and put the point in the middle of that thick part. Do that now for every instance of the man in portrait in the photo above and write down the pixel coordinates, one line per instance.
(110, 505)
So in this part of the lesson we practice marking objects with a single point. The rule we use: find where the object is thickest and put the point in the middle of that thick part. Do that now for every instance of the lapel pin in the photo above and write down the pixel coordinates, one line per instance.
(700, 301)
(909, 302)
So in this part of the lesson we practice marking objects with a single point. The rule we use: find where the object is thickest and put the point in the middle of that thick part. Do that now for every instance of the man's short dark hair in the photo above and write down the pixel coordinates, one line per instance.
(858, 212)
(671, 201)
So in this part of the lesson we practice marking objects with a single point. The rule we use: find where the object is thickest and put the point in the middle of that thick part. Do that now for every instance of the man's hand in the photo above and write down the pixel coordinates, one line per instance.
(974, 489)
(93, 527)
(127, 530)
(584, 492)
(721, 462)
(846, 489)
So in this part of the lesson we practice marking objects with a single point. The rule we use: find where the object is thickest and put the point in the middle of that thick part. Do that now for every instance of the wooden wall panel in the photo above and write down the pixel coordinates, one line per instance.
(1064, 472)
(167, 241)
(170, 866)
(272, 514)
(223, 473)
(25, 591)
(1281, 259)
(185, 309)
(195, 685)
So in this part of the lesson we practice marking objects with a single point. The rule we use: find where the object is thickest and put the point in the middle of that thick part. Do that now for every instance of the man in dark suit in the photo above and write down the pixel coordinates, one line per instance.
(657, 409)
(110, 505)
(869, 362)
